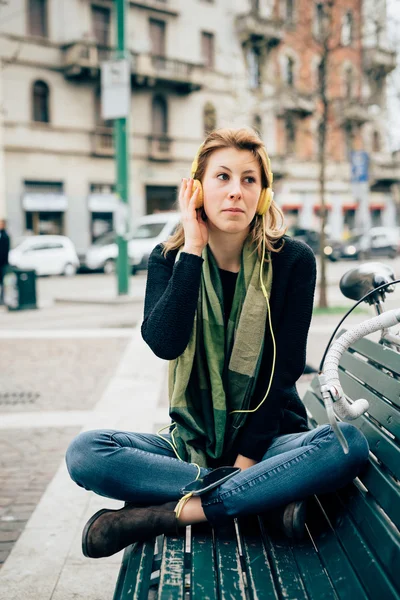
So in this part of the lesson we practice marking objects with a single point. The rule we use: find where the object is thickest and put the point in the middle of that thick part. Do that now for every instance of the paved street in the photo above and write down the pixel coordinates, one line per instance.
(57, 362)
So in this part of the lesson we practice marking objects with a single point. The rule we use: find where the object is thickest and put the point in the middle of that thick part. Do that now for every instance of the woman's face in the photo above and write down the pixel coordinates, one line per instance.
(231, 187)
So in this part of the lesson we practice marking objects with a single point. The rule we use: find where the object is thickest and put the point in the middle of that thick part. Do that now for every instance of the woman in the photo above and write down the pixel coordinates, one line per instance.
(228, 302)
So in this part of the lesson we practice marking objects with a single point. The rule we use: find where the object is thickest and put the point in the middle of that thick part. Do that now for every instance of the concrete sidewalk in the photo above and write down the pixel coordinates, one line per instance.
(46, 563)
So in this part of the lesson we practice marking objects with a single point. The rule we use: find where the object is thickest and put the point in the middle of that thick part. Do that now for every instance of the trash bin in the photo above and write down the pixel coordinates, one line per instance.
(19, 289)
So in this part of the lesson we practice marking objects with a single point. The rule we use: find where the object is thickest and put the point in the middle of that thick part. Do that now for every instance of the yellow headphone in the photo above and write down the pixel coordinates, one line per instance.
(266, 195)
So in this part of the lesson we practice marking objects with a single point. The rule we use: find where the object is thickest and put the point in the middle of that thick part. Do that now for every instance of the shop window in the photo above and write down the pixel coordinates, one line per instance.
(349, 220)
(40, 102)
(376, 217)
(209, 118)
(37, 18)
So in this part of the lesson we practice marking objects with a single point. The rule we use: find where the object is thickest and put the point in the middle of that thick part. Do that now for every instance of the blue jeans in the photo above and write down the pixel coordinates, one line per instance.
(142, 468)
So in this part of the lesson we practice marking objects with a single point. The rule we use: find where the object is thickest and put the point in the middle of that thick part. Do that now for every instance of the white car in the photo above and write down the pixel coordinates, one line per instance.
(46, 254)
(150, 230)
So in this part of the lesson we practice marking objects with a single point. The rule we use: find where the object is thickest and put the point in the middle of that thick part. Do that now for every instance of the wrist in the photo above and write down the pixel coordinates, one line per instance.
(192, 250)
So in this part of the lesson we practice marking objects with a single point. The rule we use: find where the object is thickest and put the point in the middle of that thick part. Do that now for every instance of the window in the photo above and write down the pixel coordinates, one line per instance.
(255, 6)
(318, 26)
(157, 37)
(290, 129)
(159, 116)
(321, 77)
(257, 124)
(40, 102)
(348, 82)
(289, 12)
(37, 18)
(208, 49)
(349, 138)
(376, 142)
(101, 19)
(347, 29)
(254, 65)
(290, 71)
(210, 118)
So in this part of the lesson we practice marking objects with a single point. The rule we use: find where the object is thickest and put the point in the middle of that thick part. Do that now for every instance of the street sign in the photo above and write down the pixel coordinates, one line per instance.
(115, 89)
(359, 166)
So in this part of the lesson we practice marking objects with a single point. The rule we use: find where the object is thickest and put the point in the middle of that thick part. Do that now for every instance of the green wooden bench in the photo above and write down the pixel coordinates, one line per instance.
(352, 547)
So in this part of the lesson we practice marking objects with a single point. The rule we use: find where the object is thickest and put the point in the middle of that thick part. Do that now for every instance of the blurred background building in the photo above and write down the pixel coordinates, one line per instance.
(195, 65)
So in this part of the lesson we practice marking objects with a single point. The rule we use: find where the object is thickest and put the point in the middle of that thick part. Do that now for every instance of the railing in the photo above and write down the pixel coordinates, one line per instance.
(292, 100)
(381, 59)
(159, 147)
(164, 6)
(148, 67)
(352, 110)
(103, 141)
(385, 167)
(85, 56)
(252, 25)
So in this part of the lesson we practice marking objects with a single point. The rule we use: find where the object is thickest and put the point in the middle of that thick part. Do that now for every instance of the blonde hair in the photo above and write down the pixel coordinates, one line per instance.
(241, 139)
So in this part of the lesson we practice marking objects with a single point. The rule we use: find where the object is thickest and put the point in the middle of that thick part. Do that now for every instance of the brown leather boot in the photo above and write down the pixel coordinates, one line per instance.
(109, 531)
(290, 519)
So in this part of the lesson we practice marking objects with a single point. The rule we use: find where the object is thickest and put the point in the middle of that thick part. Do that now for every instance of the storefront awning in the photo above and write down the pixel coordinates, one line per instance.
(44, 202)
(102, 202)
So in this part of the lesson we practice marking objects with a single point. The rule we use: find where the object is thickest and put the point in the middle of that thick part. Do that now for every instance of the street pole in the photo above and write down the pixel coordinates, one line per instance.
(121, 133)
(3, 206)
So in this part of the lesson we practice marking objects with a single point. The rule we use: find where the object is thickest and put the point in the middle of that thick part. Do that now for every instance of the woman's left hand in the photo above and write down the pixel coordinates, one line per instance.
(243, 462)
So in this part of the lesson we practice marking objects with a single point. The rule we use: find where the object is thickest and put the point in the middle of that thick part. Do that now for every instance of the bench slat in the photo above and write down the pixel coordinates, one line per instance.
(382, 536)
(386, 357)
(334, 559)
(380, 444)
(229, 569)
(312, 572)
(172, 570)
(385, 413)
(134, 577)
(372, 376)
(203, 570)
(359, 554)
(384, 490)
(284, 565)
(259, 575)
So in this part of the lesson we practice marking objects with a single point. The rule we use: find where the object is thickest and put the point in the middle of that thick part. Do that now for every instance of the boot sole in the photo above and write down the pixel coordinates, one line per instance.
(86, 530)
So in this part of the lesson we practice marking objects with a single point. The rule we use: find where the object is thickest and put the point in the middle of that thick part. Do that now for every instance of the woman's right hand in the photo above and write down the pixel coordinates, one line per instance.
(195, 228)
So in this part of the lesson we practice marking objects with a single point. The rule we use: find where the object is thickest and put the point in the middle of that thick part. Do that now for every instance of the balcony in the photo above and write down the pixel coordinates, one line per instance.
(165, 7)
(103, 142)
(351, 110)
(379, 60)
(290, 100)
(384, 168)
(81, 60)
(151, 71)
(251, 28)
(159, 148)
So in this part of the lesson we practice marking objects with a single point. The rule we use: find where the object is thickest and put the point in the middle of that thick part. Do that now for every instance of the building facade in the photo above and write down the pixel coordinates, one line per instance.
(195, 65)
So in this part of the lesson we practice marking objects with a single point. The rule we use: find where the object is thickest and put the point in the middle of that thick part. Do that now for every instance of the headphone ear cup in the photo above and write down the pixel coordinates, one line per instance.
(264, 201)
(200, 198)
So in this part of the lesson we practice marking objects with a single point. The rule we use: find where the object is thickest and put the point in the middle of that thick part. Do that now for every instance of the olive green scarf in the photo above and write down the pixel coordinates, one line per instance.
(218, 370)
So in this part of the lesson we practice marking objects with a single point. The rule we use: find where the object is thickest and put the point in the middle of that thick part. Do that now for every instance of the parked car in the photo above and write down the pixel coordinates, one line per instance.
(378, 241)
(309, 236)
(46, 254)
(149, 231)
